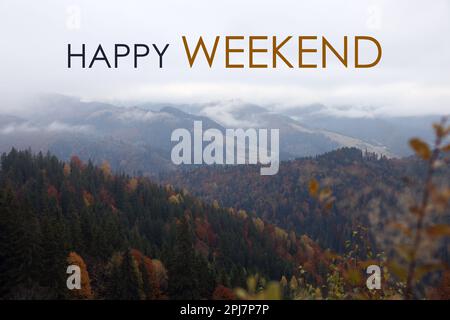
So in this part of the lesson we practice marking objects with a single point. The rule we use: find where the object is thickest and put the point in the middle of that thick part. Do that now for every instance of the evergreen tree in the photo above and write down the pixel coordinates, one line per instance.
(183, 283)
(10, 243)
(53, 261)
(205, 276)
(20, 249)
(132, 284)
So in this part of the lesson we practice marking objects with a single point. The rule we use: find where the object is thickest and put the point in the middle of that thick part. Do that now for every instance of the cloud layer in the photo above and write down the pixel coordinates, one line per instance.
(412, 78)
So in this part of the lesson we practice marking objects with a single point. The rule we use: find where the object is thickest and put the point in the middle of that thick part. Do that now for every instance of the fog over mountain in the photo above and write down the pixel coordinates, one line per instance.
(137, 139)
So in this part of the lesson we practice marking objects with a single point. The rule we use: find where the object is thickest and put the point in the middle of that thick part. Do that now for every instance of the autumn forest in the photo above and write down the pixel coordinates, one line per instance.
(225, 232)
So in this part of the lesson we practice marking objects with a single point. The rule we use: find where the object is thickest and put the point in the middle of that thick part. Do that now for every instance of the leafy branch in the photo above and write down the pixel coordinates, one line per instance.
(423, 151)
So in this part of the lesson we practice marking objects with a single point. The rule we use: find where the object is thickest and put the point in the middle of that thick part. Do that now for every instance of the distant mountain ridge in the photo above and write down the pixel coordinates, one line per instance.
(137, 139)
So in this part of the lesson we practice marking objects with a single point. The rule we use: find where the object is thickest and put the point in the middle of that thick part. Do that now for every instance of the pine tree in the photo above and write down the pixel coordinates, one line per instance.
(54, 263)
(183, 283)
(113, 279)
(205, 276)
(10, 264)
(131, 279)
(20, 249)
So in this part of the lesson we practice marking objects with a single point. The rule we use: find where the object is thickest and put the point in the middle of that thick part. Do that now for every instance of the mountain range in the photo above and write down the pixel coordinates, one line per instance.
(136, 139)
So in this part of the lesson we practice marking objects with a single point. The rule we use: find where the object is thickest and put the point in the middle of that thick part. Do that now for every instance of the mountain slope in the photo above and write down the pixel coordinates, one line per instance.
(50, 210)
(361, 183)
(297, 139)
(130, 139)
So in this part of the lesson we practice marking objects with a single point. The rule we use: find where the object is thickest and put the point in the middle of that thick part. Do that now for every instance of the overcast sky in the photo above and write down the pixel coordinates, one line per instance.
(413, 76)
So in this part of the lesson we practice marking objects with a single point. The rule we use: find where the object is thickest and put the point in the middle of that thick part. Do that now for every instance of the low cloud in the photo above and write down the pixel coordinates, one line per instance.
(387, 99)
(139, 115)
(54, 127)
(224, 114)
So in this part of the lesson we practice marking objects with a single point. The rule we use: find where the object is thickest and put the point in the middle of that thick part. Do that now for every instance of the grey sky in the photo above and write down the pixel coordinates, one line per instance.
(413, 76)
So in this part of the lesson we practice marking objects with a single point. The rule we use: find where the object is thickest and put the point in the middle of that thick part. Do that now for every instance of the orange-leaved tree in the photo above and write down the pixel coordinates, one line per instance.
(85, 292)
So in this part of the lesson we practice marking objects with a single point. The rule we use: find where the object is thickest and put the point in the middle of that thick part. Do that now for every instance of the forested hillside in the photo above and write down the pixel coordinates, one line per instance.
(309, 232)
(134, 239)
(360, 185)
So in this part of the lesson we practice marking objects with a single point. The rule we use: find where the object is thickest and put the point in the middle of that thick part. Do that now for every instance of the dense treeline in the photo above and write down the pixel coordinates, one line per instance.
(360, 182)
(132, 238)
